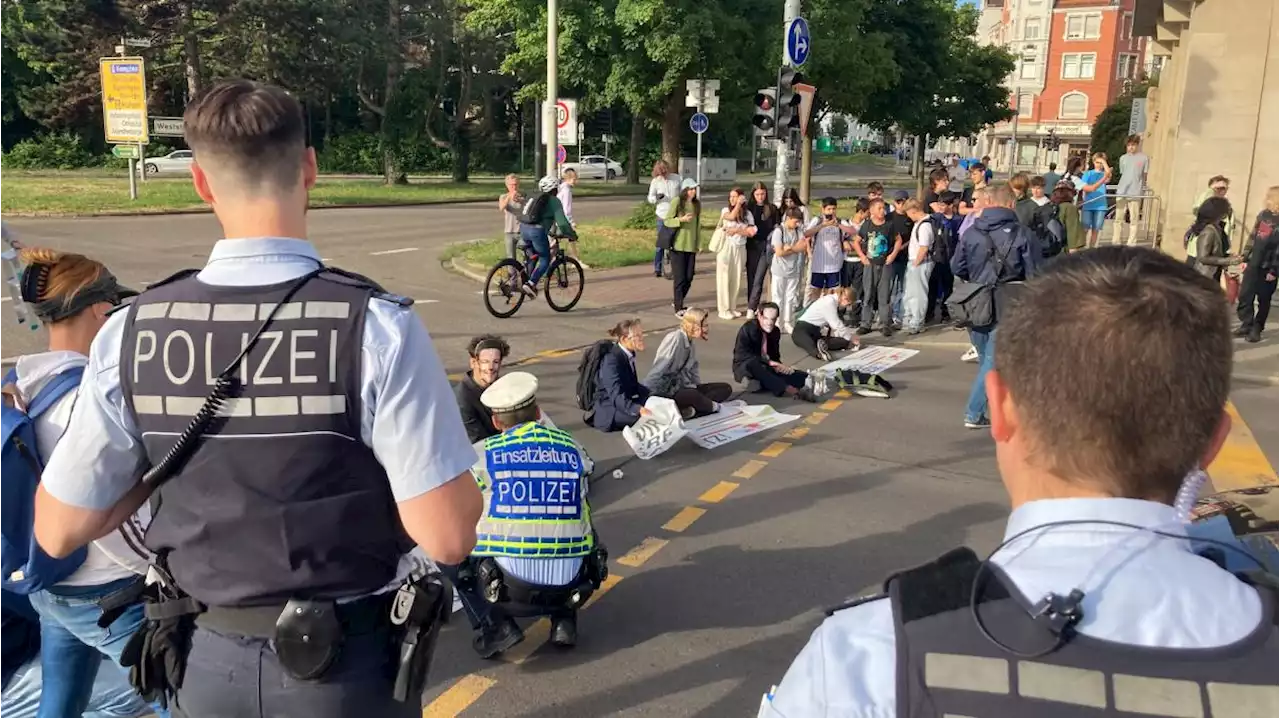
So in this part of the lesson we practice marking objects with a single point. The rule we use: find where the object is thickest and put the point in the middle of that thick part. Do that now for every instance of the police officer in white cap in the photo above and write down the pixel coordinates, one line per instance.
(300, 435)
(536, 550)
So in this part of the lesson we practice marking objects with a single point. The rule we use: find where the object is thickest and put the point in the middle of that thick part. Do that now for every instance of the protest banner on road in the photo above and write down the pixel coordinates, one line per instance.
(734, 421)
(872, 360)
(658, 431)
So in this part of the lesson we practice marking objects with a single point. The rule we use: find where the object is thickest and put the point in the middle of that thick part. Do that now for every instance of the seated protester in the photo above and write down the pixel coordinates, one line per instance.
(536, 551)
(826, 254)
(820, 330)
(110, 697)
(756, 357)
(675, 374)
(486, 352)
(1095, 600)
(620, 396)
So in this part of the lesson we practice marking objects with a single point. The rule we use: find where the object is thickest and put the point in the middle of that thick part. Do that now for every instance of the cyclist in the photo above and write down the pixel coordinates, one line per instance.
(542, 212)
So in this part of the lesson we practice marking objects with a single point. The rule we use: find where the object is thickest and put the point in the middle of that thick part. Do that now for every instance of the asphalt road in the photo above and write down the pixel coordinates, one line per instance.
(709, 609)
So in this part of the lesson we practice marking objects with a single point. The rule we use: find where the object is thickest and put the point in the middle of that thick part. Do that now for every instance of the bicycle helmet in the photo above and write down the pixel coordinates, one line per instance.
(548, 184)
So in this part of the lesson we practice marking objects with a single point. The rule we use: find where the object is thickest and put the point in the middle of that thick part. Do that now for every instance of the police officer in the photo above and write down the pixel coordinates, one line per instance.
(536, 551)
(301, 431)
(1110, 381)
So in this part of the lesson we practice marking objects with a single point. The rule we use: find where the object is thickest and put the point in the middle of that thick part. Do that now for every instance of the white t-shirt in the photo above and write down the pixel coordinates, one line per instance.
(827, 254)
(737, 240)
(669, 189)
(791, 265)
(119, 554)
(825, 312)
(1040, 201)
(921, 238)
(1132, 168)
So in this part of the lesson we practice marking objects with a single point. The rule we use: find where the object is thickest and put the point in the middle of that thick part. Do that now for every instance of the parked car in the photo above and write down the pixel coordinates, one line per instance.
(176, 161)
(594, 167)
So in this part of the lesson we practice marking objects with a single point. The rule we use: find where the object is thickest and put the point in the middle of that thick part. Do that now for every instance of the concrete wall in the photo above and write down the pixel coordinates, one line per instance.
(1216, 112)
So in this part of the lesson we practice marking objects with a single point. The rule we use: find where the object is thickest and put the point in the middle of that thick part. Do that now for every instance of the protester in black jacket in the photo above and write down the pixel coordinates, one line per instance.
(1262, 264)
(756, 356)
(486, 352)
(759, 255)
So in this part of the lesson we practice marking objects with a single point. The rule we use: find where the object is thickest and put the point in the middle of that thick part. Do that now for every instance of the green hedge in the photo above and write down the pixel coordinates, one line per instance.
(56, 150)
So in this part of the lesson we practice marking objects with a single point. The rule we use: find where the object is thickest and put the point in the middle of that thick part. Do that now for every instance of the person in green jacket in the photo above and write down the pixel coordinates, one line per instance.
(1069, 215)
(684, 216)
(550, 213)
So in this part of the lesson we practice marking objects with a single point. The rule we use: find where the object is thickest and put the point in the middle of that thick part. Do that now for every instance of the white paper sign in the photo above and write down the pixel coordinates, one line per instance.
(734, 421)
(872, 360)
(657, 432)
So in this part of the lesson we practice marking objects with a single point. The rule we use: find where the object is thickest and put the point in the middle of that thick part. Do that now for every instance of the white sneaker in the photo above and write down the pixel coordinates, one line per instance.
(751, 314)
(971, 355)
(727, 316)
(787, 328)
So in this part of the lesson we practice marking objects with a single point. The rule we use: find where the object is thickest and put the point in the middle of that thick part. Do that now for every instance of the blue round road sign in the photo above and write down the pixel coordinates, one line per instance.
(798, 41)
(561, 154)
(699, 122)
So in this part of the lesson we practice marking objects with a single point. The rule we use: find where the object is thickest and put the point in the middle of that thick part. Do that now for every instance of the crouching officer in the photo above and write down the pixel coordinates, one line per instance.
(536, 551)
(1095, 604)
(301, 437)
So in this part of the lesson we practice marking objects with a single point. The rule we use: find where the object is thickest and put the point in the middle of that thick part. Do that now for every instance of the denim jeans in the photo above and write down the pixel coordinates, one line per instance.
(112, 696)
(536, 238)
(984, 340)
(72, 645)
(897, 284)
(658, 252)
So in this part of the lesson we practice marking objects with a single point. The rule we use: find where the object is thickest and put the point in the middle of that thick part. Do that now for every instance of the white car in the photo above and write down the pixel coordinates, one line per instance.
(176, 161)
(594, 167)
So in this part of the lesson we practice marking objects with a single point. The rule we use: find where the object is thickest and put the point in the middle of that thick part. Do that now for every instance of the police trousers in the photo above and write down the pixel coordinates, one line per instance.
(231, 675)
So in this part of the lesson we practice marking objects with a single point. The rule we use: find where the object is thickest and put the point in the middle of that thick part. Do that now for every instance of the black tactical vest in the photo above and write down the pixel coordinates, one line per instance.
(946, 667)
(281, 498)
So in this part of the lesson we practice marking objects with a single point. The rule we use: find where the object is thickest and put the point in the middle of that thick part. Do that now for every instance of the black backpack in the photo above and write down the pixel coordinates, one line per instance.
(589, 372)
(1049, 230)
(940, 249)
(531, 213)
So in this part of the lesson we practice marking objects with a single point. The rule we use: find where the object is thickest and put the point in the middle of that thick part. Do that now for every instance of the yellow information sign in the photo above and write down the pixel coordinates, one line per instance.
(124, 99)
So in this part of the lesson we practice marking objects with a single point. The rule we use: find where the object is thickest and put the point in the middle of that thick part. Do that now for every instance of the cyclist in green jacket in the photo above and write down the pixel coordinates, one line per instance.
(539, 215)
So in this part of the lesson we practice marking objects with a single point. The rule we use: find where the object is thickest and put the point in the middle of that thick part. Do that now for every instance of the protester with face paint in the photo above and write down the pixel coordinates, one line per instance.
(487, 352)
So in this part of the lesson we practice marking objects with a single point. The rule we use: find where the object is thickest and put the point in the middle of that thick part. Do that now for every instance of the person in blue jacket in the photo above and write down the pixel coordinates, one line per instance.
(620, 396)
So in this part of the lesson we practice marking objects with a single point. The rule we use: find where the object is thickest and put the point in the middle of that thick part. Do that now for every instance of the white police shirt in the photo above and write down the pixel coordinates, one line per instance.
(409, 417)
(1139, 589)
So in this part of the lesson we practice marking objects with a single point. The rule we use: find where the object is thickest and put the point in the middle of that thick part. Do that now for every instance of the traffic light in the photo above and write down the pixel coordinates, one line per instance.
(764, 119)
(788, 114)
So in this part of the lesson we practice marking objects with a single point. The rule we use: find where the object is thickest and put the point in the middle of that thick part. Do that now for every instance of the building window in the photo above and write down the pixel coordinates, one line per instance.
(1126, 26)
(1075, 106)
(1030, 70)
(1026, 104)
(1084, 27)
(1078, 65)
(1126, 66)
(1031, 29)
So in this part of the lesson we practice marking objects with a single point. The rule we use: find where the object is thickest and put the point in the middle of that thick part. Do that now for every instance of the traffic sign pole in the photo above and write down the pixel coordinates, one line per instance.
(549, 119)
(790, 13)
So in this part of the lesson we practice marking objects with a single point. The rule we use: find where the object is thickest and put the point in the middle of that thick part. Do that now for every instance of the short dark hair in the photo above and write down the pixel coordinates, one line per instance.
(830, 202)
(623, 328)
(1119, 362)
(487, 341)
(1133, 140)
(1037, 181)
(516, 417)
(1053, 166)
(977, 167)
(862, 205)
(254, 132)
(949, 197)
(795, 213)
(1218, 178)
(875, 187)
(768, 305)
(939, 175)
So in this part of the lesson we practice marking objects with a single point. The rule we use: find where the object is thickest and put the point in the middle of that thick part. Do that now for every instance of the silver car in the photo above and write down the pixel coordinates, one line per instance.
(178, 161)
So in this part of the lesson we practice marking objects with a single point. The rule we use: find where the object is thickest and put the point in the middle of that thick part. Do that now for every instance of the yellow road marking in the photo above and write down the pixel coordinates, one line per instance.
(609, 582)
(459, 697)
(684, 519)
(749, 469)
(816, 417)
(844, 394)
(796, 433)
(531, 360)
(1241, 463)
(534, 636)
(719, 492)
(775, 449)
(832, 405)
(636, 557)
(456, 377)
(555, 353)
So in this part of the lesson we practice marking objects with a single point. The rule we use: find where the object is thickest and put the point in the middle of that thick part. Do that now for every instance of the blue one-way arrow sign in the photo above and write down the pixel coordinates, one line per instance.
(798, 42)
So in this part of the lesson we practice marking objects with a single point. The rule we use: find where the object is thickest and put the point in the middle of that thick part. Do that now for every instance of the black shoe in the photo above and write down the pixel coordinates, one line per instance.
(657, 275)
(496, 638)
(688, 413)
(1243, 330)
(1255, 335)
(863, 331)
(564, 631)
(823, 353)
(887, 330)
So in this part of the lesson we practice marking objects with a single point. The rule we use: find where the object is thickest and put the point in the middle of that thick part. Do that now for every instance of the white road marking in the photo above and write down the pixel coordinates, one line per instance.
(4, 299)
(326, 259)
(402, 250)
(426, 301)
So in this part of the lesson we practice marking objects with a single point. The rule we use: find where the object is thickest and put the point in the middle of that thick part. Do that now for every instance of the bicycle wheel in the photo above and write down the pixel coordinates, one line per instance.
(502, 295)
(564, 284)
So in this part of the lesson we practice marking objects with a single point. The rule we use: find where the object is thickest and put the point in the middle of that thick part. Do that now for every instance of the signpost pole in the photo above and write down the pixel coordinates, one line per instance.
(550, 118)
(702, 90)
(791, 11)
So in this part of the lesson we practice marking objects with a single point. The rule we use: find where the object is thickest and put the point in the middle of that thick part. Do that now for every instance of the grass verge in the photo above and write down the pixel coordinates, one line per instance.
(856, 158)
(70, 195)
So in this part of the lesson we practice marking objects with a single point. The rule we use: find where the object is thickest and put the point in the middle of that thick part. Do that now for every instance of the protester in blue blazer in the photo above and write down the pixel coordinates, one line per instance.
(620, 396)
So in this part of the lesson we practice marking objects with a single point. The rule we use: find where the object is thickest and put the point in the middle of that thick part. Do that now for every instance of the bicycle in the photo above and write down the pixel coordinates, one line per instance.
(503, 287)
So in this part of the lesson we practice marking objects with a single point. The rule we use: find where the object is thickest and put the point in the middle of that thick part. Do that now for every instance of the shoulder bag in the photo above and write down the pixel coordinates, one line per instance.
(973, 304)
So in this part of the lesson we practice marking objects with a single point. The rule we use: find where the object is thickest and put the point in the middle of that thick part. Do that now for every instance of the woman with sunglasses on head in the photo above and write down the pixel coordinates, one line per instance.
(72, 295)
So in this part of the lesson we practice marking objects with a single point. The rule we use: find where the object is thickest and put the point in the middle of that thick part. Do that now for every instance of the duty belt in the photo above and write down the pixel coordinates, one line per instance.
(357, 617)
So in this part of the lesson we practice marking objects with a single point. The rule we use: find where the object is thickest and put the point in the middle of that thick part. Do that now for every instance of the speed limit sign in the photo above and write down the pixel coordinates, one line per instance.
(567, 122)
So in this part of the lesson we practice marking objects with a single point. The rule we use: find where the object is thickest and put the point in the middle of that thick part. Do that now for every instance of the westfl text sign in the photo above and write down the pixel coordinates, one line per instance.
(124, 99)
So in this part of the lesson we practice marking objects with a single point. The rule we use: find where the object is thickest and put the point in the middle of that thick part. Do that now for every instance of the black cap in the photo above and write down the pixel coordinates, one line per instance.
(901, 195)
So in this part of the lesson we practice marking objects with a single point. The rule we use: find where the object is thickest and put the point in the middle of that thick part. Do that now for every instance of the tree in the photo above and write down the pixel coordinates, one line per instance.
(839, 128)
(1111, 126)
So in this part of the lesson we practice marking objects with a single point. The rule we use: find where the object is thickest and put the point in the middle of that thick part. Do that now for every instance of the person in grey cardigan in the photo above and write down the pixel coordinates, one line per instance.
(675, 373)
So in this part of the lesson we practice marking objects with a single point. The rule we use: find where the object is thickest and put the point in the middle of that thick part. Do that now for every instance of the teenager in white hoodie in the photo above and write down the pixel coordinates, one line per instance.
(72, 295)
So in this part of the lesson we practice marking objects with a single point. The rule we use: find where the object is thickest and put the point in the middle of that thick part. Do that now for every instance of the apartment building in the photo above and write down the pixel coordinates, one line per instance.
(1073, 58)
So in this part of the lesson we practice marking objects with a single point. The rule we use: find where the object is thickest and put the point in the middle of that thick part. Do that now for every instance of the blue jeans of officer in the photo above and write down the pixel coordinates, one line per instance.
(231, 675)
(984, 340)
(72, 645)
(537, 239)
